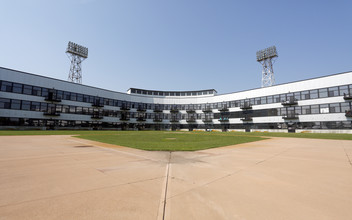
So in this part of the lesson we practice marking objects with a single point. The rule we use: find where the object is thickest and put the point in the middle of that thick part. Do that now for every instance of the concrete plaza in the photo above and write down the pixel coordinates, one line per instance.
(62, 177)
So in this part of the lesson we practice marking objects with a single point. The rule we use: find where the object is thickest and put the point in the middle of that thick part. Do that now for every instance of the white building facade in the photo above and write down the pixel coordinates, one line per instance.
(29, 101)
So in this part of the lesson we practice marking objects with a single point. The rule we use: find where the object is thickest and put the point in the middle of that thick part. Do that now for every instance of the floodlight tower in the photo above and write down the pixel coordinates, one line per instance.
(266, 58)
(77, 55)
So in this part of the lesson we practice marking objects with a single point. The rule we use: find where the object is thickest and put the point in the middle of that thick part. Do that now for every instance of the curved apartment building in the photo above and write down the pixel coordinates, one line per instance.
(29, 101)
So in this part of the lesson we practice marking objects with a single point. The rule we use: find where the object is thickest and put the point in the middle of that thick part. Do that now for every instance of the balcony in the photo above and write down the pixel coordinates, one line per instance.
(125, 108)
(224, 109)
(290, 117)
(247, 118)
(174, 120)
(124, 118)
(347, 96)
(190, 111)
(52, 113)
(157, 119)
(224, 119)
(191, 120)
(174, 110)
(97, 104)
(207, 110)
(141, 109)
(52, 98)
(97, 116)
(348, 113)
(207, 120)
(289, 102)
(246, 106)
(158, 110)
(140, 119)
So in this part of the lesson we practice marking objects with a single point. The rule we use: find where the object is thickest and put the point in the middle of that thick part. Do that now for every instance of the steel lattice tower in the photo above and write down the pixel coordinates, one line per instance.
(267, 57)
(77, 55)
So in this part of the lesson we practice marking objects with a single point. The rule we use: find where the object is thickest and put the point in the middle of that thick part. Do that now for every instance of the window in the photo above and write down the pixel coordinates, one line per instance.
(345, 106)
(43, 107)
(80, 97)
(35, 106)
(333, 91)
(306, 110)
(343, 90)
(67, 95)
(323, 93)
(257, 101)
(335, 108)
(17, 88)
(263, 100)
(73, 96)
(6, 86)
(324, 109)
(305, 95)
(314, 94)
(36, 91)
(45, 92)
(27, 89)
(15, 104)
(26, 105)
(276, 98)
(5, 103)
(270, 99)
(315, 109)
(297, 95)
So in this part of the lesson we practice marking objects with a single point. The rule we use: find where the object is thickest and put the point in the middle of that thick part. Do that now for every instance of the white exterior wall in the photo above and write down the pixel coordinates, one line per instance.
(30, 79)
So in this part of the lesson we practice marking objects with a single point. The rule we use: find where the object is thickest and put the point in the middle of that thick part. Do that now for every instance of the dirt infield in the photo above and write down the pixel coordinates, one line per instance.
(62, 177)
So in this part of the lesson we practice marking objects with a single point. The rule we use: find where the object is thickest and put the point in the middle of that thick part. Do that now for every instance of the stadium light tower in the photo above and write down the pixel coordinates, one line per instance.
(266, 58)
(77, 55)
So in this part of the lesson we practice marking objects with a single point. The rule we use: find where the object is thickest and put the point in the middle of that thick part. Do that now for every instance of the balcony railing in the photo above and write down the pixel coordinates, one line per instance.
(224, 119)
(290, 116)
(174, 120)
(246, 106)
(97, 104)
(348, 113)
(52, 113)
(140, 119)
(347, 96)
(158, 110)
(247, 118)
(207, 110)
(224, 109)
(174, 110)
(141, 109)
(207, 120)
(190, 111)
(190, 120)
(289, 102)
(52, 98)
(124, 118)
(97, 116)
(157, 119)
(125, 108)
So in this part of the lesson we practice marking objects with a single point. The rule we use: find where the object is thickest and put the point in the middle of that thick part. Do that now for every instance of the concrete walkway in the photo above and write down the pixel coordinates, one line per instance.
(62, 177)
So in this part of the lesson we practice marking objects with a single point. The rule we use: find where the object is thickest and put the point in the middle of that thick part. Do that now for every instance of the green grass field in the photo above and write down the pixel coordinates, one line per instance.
(176, 141)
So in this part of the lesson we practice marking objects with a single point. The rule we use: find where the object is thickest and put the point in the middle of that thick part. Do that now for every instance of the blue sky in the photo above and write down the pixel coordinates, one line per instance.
(177, 44)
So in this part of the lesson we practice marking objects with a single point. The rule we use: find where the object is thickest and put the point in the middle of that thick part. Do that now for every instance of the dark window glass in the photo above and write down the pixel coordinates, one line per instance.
(276, 99)
(59, 94)
(345, 106)
(323, 93)
(15, 104)
(333, 91)
(35, 106)
(80, 97)
(43, 107)
(270, 99)
(37, 91)
(305, 95)
(27, 89)
(313, 94)
(150, 93)
(335, 108)
(86, 98)
(5, 103)
(67, 95)
(306, 110)
(177, 94)
(315, 109)
(6, 86)
(172, 94)
(26, 105)
(343, 90)
(283, 97)
(297, 95)
(194, 93)
(263, 100)
(17, 88)
(73, 96)
(257, 101)
(189, 94)
(45, 92)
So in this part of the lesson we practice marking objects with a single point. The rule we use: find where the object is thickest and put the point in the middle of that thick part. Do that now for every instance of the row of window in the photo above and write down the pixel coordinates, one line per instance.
(160, 93)
(284, 111)
(65, 95)
(7, 121)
